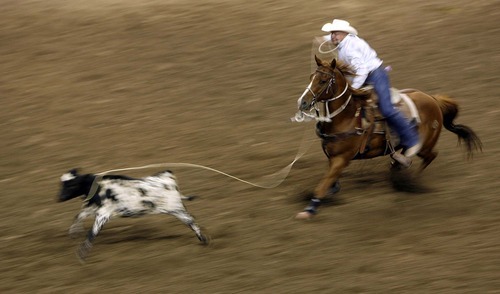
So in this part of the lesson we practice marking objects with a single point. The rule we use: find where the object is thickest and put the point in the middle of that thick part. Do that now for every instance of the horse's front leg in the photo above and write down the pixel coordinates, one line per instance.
(337, 164)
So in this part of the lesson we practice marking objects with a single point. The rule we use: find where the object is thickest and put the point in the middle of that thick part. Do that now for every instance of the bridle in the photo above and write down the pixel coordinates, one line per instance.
(314, 110)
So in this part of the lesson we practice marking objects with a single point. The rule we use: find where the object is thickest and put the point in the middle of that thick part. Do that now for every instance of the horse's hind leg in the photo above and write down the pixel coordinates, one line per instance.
(427, 158)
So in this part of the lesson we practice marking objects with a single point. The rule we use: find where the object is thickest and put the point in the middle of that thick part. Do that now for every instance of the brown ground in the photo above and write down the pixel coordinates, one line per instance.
(107, 84)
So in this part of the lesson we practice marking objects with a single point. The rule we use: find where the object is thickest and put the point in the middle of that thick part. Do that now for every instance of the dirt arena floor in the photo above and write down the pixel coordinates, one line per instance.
(111, 84)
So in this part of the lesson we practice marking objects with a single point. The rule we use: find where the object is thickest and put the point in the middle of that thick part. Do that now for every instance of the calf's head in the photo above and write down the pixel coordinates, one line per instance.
(72, 185)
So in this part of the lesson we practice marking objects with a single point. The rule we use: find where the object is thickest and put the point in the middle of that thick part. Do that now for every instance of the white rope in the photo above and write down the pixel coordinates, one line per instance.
(281, 174)
(326, 52)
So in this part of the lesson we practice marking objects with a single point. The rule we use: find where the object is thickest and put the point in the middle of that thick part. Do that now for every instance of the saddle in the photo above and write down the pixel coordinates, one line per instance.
(371, 120)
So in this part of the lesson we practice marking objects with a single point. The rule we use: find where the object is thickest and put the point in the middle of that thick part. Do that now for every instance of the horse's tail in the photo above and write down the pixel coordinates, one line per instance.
(449, 109)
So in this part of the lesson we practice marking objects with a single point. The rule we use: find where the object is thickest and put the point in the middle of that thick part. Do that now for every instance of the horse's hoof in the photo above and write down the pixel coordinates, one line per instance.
(304, 215)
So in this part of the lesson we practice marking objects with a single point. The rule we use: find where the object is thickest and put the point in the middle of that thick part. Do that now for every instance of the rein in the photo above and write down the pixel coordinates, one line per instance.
(329, 115)
(332, 79)
(325, 137)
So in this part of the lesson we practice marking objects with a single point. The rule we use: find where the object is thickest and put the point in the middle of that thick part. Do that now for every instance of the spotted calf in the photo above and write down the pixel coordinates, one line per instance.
(115, 195)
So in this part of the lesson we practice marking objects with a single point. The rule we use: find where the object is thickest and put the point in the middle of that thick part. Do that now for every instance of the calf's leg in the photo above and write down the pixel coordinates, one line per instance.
(85, 247)
(77, 226)
(187, 219)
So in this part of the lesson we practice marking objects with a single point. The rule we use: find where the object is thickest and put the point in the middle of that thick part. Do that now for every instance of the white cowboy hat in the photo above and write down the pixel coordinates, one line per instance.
(339, 25)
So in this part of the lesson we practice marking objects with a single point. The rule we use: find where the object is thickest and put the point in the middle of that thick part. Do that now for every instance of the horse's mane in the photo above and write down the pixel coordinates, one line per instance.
(348, 71)
(345, 68)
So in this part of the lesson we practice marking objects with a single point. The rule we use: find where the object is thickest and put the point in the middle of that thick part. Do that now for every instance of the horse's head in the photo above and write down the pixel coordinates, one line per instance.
(327, 84)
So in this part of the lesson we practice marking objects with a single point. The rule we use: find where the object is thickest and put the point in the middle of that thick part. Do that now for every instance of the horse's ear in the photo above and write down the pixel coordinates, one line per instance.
(334, 63)
(318, 61)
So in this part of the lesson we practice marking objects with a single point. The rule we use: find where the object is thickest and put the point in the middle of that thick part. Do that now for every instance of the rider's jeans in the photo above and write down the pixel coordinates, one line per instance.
(380, 81)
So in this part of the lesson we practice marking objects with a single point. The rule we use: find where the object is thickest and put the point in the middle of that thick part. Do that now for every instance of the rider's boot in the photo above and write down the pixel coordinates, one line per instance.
(409, 138)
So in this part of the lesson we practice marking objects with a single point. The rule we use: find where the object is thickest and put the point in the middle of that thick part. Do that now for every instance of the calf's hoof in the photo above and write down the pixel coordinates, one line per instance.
(83, 251)
(304, 215)
(204, 240)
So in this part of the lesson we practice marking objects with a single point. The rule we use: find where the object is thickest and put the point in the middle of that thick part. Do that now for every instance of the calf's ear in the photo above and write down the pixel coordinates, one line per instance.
(74, 171)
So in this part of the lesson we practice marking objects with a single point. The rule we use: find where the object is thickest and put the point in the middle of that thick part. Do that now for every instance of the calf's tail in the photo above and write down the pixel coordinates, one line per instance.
(189, 198)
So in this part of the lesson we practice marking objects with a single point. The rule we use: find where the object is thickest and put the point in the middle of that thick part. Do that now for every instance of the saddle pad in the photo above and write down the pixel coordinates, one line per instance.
(398, 96)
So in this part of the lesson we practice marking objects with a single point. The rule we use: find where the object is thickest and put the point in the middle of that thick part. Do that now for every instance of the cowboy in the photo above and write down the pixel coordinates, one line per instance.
(356, 52)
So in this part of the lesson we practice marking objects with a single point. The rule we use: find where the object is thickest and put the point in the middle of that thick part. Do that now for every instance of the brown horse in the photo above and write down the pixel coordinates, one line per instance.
(350, 128)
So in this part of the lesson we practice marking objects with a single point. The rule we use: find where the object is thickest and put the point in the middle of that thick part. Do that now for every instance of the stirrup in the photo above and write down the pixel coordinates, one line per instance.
(401, 159)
